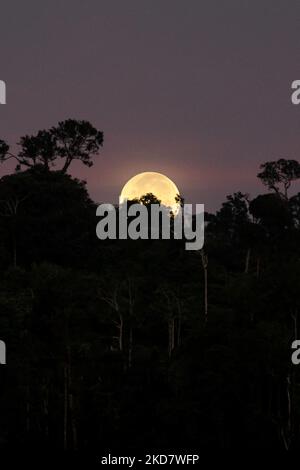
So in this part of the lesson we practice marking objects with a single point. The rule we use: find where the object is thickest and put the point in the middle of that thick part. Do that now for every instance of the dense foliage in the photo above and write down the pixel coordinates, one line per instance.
(116, 342)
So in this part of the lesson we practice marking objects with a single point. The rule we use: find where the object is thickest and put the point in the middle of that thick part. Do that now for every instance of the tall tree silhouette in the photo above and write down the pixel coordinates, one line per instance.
(279, 175)
(70, 140)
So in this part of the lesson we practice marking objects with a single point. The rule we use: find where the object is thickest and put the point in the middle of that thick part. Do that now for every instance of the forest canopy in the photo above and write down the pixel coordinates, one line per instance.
(140, 342)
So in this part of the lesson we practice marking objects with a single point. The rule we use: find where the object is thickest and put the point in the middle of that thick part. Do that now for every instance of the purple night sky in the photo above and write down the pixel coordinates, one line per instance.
(197, 89)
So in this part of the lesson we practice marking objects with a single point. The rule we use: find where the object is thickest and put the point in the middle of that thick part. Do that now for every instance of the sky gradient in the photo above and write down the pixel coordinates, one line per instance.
(198, 90)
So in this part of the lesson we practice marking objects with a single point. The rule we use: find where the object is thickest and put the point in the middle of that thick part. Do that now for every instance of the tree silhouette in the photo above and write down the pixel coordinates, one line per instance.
(70, 140)
(279, 175)
(77, 140)
(148, 199)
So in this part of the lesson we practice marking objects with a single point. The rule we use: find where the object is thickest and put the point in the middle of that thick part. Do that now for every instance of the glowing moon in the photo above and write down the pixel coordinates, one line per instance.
(151, 182)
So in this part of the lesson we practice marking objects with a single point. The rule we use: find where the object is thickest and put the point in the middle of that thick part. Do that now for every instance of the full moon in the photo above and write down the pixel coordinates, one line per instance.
(151, 182)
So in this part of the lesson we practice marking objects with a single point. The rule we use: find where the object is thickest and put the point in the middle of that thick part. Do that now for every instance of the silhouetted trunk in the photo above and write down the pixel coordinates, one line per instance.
(171, 322)
(179, 323)
(66, 165)
(121, 332)
(46, 409)
(14, 240)
(247, 261)
(286, 426)
(73, 419)
(130, 338)
(113, 303)
(46, 163)
(70, 403)
(10, 209)
(257, 267)
(130, 346)
(289, 409)
(205, 264)
(171, 336)
(28, 410)
(295, 320)
(65, 406)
